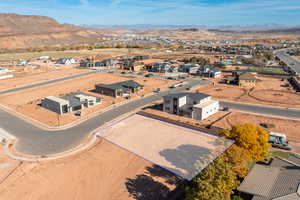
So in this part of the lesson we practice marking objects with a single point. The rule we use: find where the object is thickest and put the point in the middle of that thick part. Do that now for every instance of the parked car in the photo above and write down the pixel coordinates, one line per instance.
(279, 140)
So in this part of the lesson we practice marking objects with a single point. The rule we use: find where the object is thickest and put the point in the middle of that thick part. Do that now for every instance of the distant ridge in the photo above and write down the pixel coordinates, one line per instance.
(23, 31)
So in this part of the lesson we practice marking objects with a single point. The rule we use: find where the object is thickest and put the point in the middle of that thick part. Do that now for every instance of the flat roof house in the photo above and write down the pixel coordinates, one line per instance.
(195, 105)
(210, 71)
(189, 68)
(119, 89)
(70, 103)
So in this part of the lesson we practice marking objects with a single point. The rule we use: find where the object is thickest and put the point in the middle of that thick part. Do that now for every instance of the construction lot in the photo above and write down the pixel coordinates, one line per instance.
(270, 91)
(104, 171)
(228, 119)
(183, 151)
(27, 102)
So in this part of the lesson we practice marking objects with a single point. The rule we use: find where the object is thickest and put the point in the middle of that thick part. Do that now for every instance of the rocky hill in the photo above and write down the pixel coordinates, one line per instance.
(23, 31)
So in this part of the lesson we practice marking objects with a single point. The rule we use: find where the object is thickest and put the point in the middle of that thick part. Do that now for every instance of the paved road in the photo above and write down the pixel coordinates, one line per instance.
(282, 112)
(33, 140)
(292, 63)
(46, 82)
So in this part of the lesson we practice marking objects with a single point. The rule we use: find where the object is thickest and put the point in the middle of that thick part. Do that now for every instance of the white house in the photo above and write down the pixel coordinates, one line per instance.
(195, 105)
(66, 61)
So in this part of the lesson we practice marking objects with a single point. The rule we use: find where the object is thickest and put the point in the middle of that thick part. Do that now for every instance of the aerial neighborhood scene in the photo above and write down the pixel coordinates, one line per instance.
(150, 100)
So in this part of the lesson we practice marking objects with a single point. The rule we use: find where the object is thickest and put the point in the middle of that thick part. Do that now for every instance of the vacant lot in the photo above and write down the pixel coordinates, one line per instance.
(102, 172)
(28, 76)
(269, 91)
(183, 151)
(73, 53)
(26, 102)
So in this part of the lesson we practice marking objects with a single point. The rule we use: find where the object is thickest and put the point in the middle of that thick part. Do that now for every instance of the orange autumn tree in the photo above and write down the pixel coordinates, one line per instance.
(219, 180)
(252, 139)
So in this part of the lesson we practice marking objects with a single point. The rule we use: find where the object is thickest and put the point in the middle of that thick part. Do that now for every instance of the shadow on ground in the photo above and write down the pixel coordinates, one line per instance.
(153, 184)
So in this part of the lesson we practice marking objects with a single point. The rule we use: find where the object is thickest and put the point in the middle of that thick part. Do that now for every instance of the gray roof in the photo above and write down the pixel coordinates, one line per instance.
(122, 85)
(72, 100)
(268, 183)
(75, 101)
(194, 96)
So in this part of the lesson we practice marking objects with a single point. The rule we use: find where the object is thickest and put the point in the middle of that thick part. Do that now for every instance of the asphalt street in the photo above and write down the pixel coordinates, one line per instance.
(260, 109)
(35, 141)
(291, 62)
(46, 82)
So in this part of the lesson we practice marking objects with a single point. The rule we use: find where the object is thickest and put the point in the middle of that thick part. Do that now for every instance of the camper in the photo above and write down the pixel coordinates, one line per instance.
(279, 140)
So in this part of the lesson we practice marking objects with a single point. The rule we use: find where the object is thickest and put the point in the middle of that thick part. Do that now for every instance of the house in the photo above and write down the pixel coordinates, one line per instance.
(246, 79)
(160, 67)
(66, 61)
(295, 82)
(87, 63)
(209, 71)
(134, 66)
(223, 64)
(189, 68)
(70, 103)
(195, 105)
(23, 63)
(107, 63)
(119, 89)
(141, 57)
(276, 180)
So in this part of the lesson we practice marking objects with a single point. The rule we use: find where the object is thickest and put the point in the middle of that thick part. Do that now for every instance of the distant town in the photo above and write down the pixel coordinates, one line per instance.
(153, 114)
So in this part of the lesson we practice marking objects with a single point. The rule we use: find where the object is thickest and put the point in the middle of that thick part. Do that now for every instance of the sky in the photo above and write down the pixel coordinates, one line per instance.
(160, 12)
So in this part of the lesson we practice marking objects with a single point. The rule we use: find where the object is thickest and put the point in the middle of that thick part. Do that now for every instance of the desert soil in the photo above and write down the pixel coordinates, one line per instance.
(285, 126)
(31, 76)
(269, 91)
(26, 102)
(103, 172)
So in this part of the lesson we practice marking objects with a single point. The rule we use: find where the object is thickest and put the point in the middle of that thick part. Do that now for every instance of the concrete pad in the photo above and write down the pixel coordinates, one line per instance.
(183, 151)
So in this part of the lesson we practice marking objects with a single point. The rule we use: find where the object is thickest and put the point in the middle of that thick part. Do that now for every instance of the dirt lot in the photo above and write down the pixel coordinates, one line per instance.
(26, 102)
(102, 172)
(269, 91)
(27, 76)
(225, 120)
(171, 146)
(288, 127)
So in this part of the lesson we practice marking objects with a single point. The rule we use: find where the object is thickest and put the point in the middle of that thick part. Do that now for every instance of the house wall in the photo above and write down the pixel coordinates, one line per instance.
(206, 111)
(52, 105)
(295, 83)
(106, 91)
(247, 83)
(171, 107)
